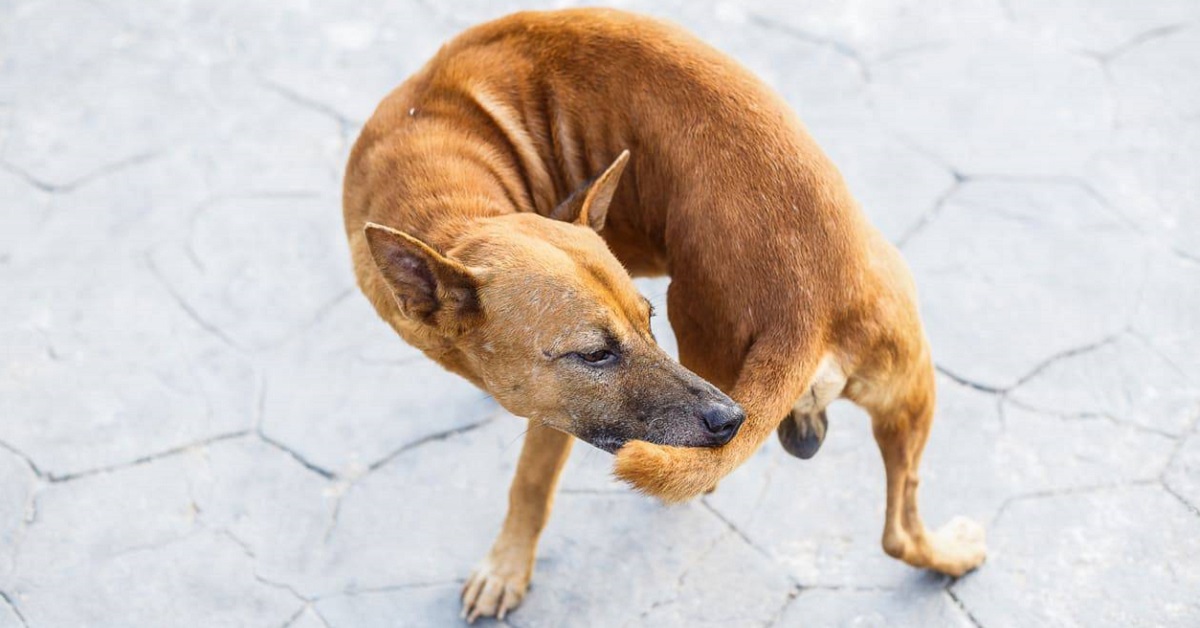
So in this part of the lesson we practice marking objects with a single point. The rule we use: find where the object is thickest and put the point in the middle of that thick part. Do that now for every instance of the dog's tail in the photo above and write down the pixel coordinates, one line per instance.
(773, 378)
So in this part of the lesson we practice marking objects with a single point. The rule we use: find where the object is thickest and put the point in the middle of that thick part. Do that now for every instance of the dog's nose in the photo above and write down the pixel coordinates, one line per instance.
(722, 421)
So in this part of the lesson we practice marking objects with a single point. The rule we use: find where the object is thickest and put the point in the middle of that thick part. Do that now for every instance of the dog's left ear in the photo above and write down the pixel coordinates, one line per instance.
(588, 205)
(429, 287)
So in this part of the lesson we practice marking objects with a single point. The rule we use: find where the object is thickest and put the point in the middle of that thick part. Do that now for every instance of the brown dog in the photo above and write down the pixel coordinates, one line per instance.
(472, 223)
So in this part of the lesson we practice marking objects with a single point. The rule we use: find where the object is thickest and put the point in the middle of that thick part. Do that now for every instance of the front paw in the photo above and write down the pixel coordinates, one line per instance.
(495, 587)
(672, 474)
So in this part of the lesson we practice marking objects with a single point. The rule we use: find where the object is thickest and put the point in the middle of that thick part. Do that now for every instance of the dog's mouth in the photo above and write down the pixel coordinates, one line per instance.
(607, 442)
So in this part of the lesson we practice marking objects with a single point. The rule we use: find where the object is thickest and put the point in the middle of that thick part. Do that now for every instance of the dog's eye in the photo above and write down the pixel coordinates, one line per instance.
(598, 358)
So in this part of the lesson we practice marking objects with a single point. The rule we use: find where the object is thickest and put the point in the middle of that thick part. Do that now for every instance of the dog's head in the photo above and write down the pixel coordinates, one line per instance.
(540, 311)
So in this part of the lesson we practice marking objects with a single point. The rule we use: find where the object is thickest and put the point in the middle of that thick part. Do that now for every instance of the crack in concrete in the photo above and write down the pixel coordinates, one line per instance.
(839, 47)
(279, 585)
(1090, 190)
(346, 125)
(51, 477)
(962, 607)
(199, 209)
(904, 52)
(929, 217)
(294, 617)
(191, 533)
(12, 605)
(346, 483)
(37, 471)
(1090, 416)
(336, 514)
(295, 455)
(245, 547)
(307, 606)
(320, 617)
(260, 410)
(916, 147)
(191, 313)
(1005, 391)
(425, 440)
(961, 178)
(308, 603)
(250, 554)
(792, 594)
(320, 314)
(260, 402)
(1190, 432)
(1153, 348)
(969, 383)
(54, 478)
(1066, 354)
(1067, 492)
(1110, 88)
(1183, 500)
(1137, 40)
(1190, 258)
(30, 512)
(685, 572)
(82, 180)
(742, 535)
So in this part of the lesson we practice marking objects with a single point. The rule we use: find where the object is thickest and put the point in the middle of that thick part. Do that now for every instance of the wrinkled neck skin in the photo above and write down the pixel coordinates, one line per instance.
(436, 167)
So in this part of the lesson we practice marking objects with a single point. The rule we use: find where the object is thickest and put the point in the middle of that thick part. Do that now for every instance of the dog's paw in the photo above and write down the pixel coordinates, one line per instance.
(959, 546)
(672, 474)
(494, 588)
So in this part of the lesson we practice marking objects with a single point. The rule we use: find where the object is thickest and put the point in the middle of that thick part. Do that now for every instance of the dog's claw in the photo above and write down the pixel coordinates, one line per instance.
(492, 590)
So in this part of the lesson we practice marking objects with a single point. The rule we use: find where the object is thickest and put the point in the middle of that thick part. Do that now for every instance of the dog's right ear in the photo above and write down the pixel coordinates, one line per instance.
(429, 287)
(588, 206)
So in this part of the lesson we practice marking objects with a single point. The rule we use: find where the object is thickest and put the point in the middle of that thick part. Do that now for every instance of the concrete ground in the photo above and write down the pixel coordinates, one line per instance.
(202, 423)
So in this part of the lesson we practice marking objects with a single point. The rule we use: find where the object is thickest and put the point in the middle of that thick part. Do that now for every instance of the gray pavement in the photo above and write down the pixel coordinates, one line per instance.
(203, 424)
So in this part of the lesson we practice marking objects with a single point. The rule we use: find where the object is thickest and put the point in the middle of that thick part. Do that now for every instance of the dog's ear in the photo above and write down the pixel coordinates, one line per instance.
(429, 287)
(588, 205)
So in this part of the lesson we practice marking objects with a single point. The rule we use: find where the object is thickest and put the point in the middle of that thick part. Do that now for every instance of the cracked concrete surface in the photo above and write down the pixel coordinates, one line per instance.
(202, 422)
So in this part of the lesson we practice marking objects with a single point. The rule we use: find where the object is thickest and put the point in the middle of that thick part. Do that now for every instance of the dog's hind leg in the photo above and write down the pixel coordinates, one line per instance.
(499, 583)
(902, 413)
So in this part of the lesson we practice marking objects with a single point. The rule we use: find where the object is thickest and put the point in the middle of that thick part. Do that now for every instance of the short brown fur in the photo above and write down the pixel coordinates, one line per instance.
(780, 288)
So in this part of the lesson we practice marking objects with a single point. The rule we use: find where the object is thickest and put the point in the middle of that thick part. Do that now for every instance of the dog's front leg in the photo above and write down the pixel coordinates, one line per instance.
(498, 584)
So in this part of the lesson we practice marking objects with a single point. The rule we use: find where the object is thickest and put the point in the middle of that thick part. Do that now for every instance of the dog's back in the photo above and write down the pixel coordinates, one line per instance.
(724, 183)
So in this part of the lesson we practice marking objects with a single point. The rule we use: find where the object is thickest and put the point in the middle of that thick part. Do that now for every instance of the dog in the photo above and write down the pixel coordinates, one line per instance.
(498, 202)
